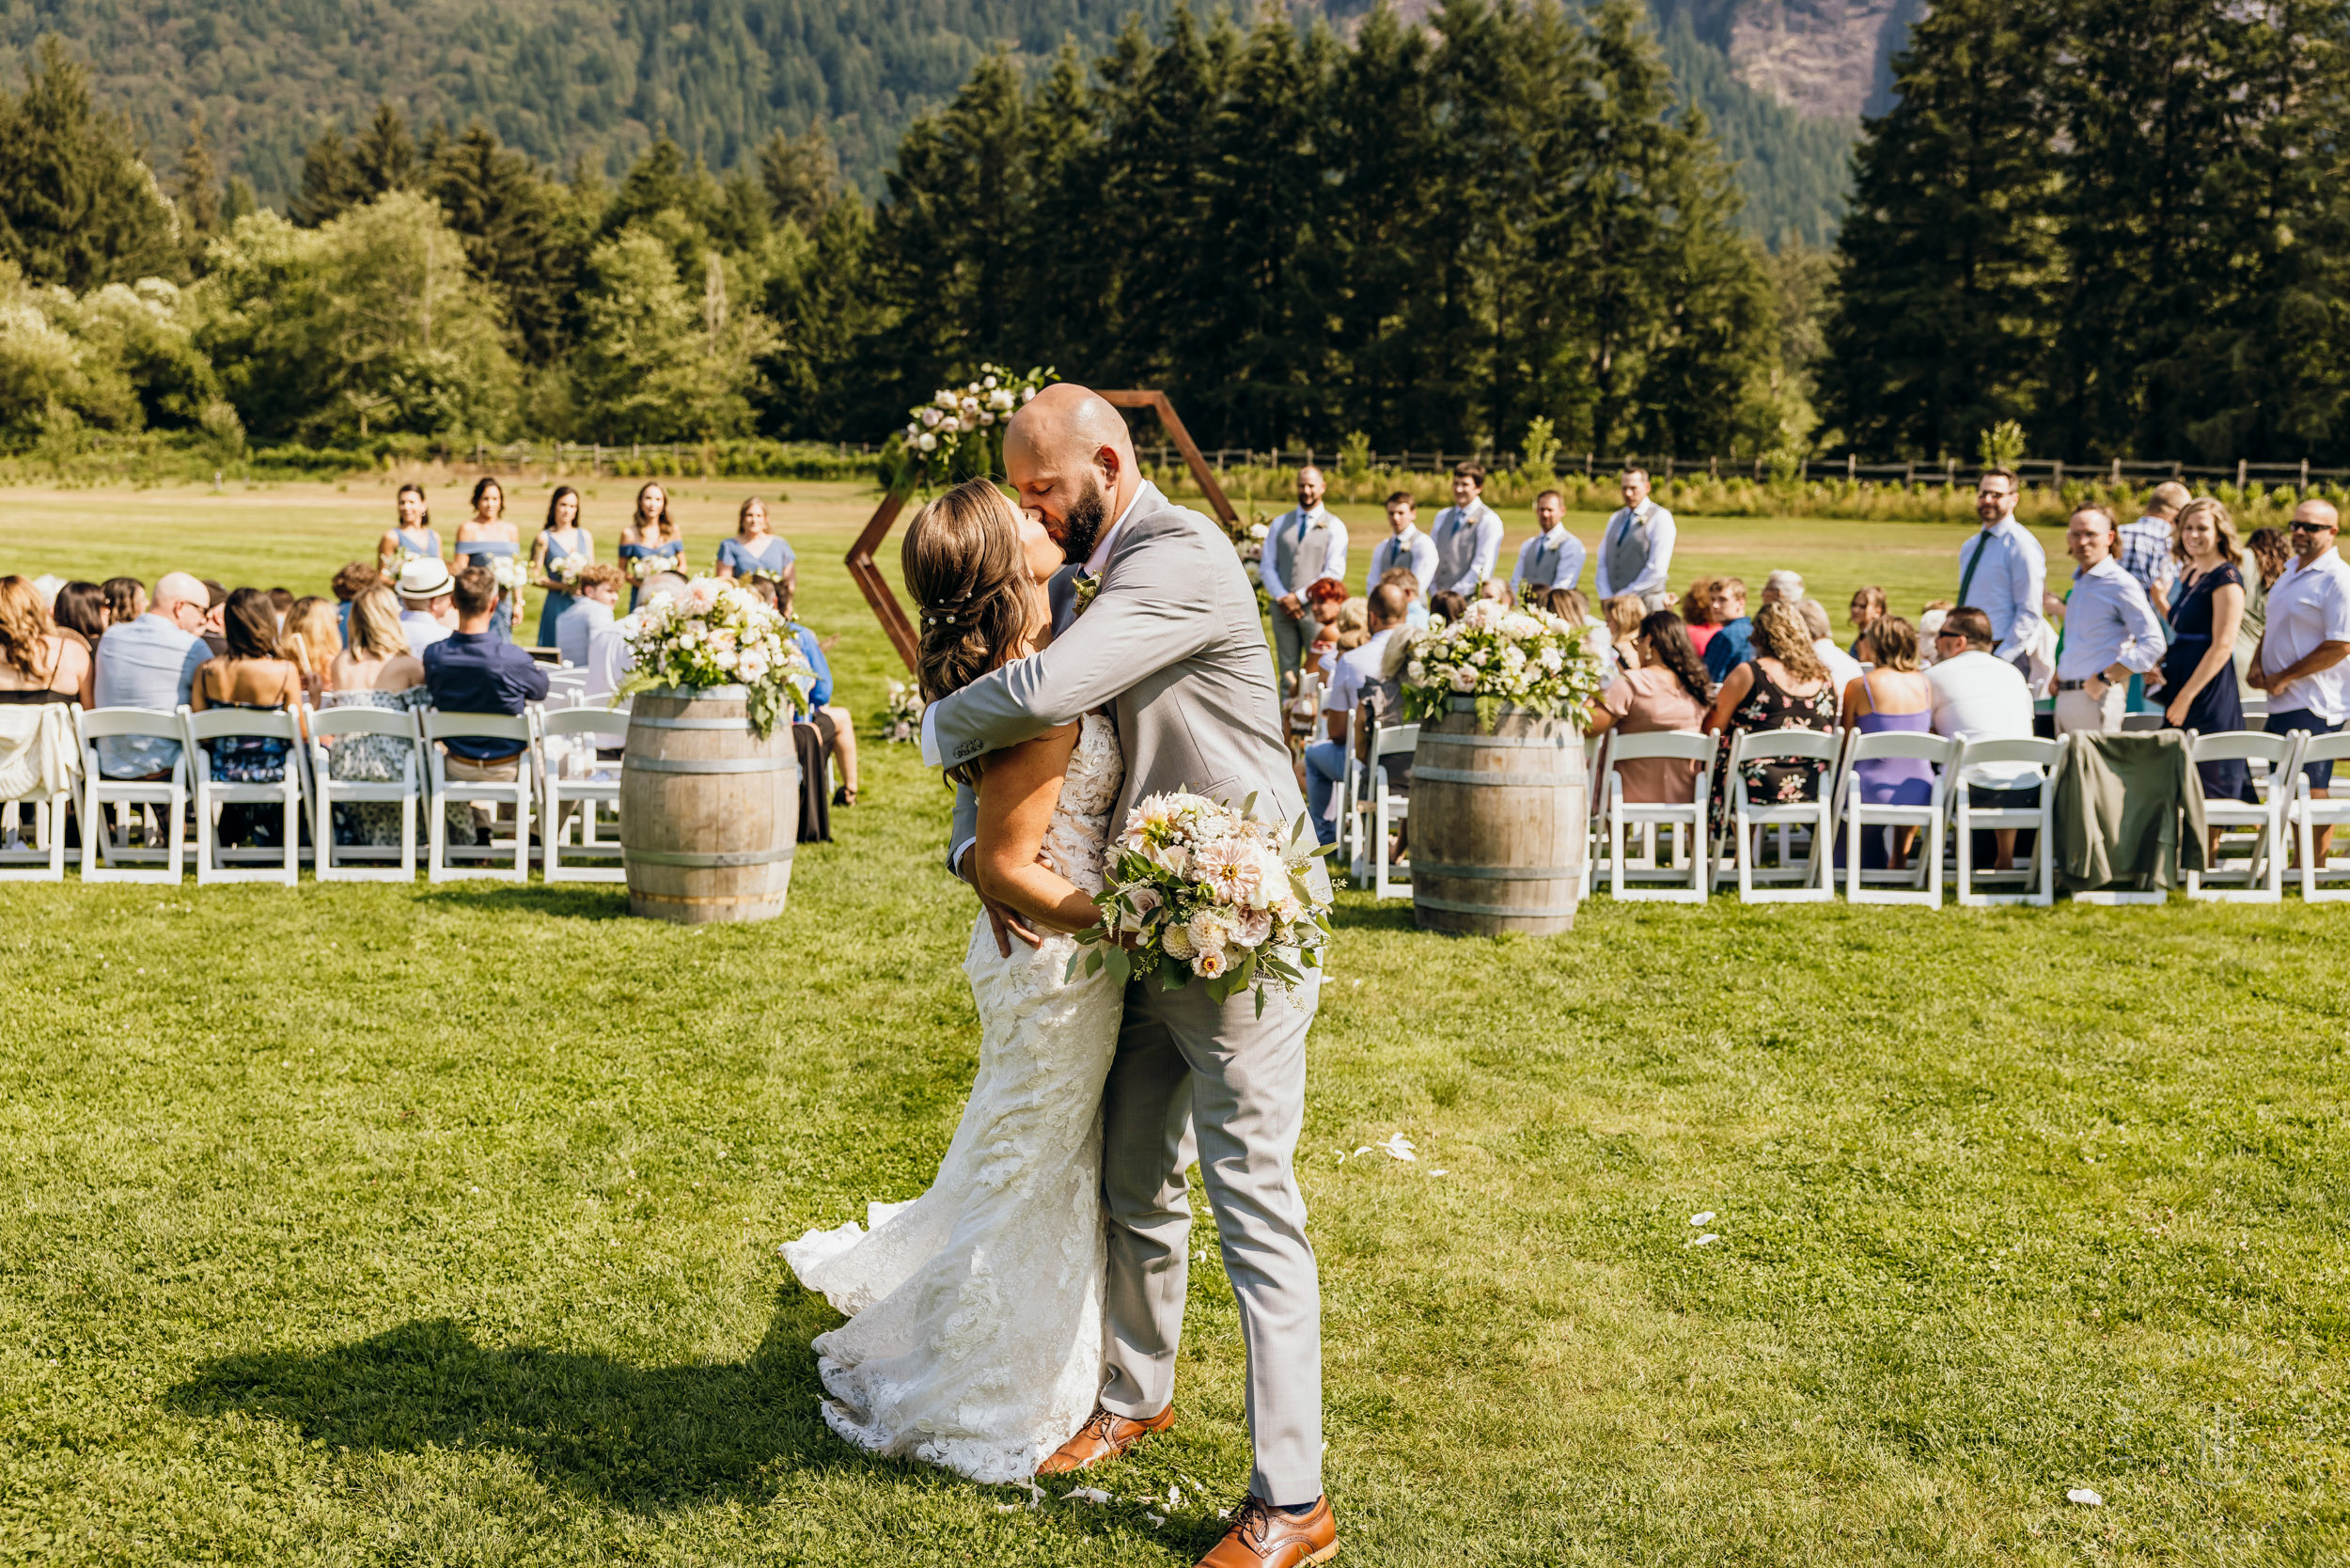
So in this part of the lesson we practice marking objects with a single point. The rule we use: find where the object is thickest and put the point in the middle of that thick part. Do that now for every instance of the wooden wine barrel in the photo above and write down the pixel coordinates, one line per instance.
(1497, 823)
(710, 814)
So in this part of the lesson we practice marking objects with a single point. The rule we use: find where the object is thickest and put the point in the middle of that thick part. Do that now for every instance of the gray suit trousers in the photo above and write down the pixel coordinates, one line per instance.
(1289, 641)
(1185, 1063)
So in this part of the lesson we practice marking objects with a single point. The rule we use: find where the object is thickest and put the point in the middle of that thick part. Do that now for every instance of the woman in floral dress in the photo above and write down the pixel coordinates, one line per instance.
(376, 670)
(1784, 686)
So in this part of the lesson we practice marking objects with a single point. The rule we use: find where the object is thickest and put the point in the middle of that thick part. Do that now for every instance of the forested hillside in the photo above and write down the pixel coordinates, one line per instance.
(595, 81)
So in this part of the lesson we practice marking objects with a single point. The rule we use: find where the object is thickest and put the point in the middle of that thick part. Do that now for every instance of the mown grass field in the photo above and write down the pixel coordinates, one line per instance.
(438, 1225)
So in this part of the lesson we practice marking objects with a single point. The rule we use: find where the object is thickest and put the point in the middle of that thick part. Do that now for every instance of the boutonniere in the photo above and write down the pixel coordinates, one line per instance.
(1087, 585)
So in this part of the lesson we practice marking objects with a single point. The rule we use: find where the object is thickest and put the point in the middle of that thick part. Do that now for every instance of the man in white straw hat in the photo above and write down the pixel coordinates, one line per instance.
(426, 612)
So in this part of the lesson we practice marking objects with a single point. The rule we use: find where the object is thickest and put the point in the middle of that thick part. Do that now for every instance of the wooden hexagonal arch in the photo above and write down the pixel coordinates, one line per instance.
(892, 616)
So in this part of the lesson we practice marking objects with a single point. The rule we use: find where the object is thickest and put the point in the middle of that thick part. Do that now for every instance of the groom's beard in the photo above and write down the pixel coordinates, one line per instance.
(1087, 515)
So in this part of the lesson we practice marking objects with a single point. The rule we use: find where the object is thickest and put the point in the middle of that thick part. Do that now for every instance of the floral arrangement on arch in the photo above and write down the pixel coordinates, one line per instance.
(718, 633)
(904, 722)
(1502, 656)
(959, 433)
(1198, 889)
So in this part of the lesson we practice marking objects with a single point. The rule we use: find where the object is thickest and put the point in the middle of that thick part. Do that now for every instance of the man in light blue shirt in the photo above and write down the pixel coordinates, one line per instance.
(1404, 545)
(2111, 632)
(1553, 558)
(2002, 571)
(1467, 535)
(151, 663)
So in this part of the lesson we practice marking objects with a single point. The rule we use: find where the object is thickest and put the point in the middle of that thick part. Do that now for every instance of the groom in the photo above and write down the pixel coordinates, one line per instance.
(1170, 640)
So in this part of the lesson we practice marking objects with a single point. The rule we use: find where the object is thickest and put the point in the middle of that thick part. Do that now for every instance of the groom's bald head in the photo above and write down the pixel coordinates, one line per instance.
(1071, 458)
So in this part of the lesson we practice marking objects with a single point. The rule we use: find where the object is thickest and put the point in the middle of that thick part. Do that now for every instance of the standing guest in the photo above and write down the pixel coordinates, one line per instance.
(753, 550)
(38, 662)
(350, 583)
(486, 536)
(1842, 669)
(1405, 547)
(2298, 662)
(152, 663)
(599, 590)
(1467, 534)
(1624, 632)
(1981, 696)
(311, 640)
(2002, 571)
(1867, 605)
(2271, 552)
(2146, 548)
(2110, 630)
(1664, 687)
(1304, 547)
(1783, 588)
(1354, 670)
(375, 670)
(470, 671)
(1407, 582)
(1783, 686)
(560, 538)
(1893, 696)
(410, 537)
(1553, 558)
(652, 541)
(426, 608)
(1697, 613)
(216, 618)
(1733, 643)
(2198, 681)
(1636, 547)
(126, 600)
(254, 673)
(80, 611)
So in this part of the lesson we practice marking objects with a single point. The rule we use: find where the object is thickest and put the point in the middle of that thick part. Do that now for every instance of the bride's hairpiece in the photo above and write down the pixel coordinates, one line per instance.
(933, 615)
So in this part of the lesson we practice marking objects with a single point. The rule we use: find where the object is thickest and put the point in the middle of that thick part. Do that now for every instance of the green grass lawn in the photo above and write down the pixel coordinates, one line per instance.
(438, 1225)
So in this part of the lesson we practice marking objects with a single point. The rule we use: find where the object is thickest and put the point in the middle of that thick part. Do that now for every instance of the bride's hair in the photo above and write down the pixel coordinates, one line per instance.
(963, 563)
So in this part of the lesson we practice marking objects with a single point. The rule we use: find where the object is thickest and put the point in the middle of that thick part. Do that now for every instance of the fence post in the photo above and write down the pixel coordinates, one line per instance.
(2240, 467)
(2056, 476)
(2116, 471)
(1714, 468)
(1852, 472)
(2305, 478)
(1909, 474)
(1668, 470)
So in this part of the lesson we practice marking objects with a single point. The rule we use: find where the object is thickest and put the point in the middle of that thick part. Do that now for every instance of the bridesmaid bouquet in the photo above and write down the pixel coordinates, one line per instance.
(513, 575)
(716, 633)
(566, 569)
(1502, 655)
(1198, 889)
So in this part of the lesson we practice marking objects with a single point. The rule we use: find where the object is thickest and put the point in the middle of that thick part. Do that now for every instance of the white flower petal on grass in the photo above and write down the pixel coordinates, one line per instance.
(1400, 1147)
(2084, 1496)
(1440, 1173)
(1086, 1494)
(1156, 1519)
(1706, 1240)
(1174, 1496)
(1702, 1221)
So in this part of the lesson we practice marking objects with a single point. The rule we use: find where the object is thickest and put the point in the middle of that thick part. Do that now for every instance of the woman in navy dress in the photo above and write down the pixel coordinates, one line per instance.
(412, 535)
(485, 539)
(652, 541)
(754, 551)
(2198, 684)
(561, 538)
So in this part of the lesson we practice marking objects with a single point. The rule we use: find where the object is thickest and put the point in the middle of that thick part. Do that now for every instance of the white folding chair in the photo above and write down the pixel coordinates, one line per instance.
(2036, 883)
(2307, 812)
(215, 862)
(445, 862)
(1860, 816)
(567, 686)
(1686, 820)
(362, 862)
(1788, 882)
(56, 759)
(1381, 808)
(121, 860)
(2262, 878)
(562, 799)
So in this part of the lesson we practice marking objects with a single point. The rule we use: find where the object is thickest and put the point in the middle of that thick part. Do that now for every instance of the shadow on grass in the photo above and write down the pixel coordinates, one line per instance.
(568, 900)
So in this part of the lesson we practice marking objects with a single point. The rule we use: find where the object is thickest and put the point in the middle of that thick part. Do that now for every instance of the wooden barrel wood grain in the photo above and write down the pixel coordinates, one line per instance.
(1498, 822)
(710, 814)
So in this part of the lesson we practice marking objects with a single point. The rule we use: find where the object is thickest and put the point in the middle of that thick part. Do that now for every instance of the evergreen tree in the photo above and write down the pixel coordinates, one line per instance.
(385, 158)
(331, 185)
(197, 188)
(77, 206)
(522, 236)
(801, 176)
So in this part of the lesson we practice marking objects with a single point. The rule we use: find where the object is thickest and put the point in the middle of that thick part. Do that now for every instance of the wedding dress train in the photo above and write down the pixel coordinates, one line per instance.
(974, 1339)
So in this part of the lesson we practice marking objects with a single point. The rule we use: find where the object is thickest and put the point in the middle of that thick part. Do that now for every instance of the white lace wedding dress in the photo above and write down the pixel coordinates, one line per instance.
(974, 1339)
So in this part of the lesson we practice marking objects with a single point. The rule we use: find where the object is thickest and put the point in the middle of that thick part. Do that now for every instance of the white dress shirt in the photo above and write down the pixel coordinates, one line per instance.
(609, 660)
(1553, 559)
(1469, 544)
(1978, 697)
(1410, 548)
(2109, 621)
(1297, 522)
(422, 629)
(1842, 669)
(1353, 670)
(2008, 585)
(576, 632)
(1661, 530)
(2308, 606)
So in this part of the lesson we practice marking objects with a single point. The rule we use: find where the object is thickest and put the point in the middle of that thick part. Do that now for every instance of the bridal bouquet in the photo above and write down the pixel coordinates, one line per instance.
(905, 713)
(1204, 890)
(642, 566)
(716, 633)
(1502, 655)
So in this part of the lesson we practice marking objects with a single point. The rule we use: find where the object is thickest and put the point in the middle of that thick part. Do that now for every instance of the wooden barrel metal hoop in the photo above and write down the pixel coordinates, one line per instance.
(710, 814)
(1498, 822)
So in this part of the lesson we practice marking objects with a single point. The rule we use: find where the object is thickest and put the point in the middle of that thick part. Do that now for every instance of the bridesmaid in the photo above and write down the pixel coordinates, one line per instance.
(486, 538)
(652, 538)
(753, 550)
(412, 535)
(561, 538)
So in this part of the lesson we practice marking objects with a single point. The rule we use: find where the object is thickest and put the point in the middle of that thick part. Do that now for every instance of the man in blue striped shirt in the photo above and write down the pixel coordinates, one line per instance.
(2002, 571)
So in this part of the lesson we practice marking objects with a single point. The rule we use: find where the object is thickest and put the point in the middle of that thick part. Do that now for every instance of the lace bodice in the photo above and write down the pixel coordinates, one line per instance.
(1080, 829)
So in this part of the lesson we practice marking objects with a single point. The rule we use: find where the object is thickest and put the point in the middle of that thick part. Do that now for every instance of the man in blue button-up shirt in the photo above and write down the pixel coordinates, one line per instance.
(2111, 632)
(472, 671)
(2002, 571)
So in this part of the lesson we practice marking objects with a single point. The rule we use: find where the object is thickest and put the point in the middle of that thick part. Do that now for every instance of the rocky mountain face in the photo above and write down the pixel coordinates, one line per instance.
(1824, 59)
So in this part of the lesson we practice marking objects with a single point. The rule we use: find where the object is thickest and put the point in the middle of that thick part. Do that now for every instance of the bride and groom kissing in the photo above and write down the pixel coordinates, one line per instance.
(1092, 646)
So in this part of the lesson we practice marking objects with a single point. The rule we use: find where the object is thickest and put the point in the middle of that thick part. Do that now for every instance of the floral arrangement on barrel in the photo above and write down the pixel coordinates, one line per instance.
(1199, 890)
(719, 634)
(1502, 656)
(959, 433)
(904, 722)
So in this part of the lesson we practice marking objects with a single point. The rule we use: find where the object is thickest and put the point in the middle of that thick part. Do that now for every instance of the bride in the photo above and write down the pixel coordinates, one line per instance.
(974, 1339)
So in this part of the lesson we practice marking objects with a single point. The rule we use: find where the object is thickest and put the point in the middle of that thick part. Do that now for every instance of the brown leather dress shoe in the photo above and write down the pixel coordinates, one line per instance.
(1262, 1536)
(1105, 1436)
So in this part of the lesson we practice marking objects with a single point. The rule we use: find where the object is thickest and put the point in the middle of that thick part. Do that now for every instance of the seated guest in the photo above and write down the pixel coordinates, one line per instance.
(38, 662)
(1623, 630)
(427, 604)
(311, 640)
(252, 674)
(1447, 606)
(1734, 637)
(1346, 628)
(1495, 589)
(1867, 605)
(350, 583)
(126, 600)
(1353, 670)
(1930, 630)
(592, 609)
(1782, 686)
(1569, 605)
(1662, 689)
(1979, 695)
(2111, 629)
(839, 726)
(1415, 614)
(472, 671)
(2197, 676)
(610, 658)
(1783, 588)
(1697, 613)
(281, 602)
(151, 662)
(1892, 696)
(80, 613)
(374, 671)
(1842, 669)
(215, 617)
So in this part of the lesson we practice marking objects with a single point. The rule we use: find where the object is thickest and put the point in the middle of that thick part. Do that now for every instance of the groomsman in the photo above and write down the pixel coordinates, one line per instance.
(1553, 558)
(1304, 547)
(1404, 546)
(1467, 534)
(1636, 548)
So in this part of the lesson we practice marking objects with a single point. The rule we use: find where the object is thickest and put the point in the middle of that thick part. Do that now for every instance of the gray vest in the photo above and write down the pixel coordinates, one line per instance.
(1289, 549)
(1456, 544)
(1627, 550)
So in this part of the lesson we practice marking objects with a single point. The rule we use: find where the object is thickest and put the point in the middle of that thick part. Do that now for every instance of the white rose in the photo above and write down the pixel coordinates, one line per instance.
(973, 388)
(1026, 392)
(945, 400)
(985, 418)
(1463, 680)
(1415, 672)
(928, 442)
(987, 382)
(930, 418)
(1255, 926)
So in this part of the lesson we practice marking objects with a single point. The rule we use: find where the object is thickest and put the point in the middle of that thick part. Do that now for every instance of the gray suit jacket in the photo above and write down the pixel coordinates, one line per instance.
(1173, 644)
